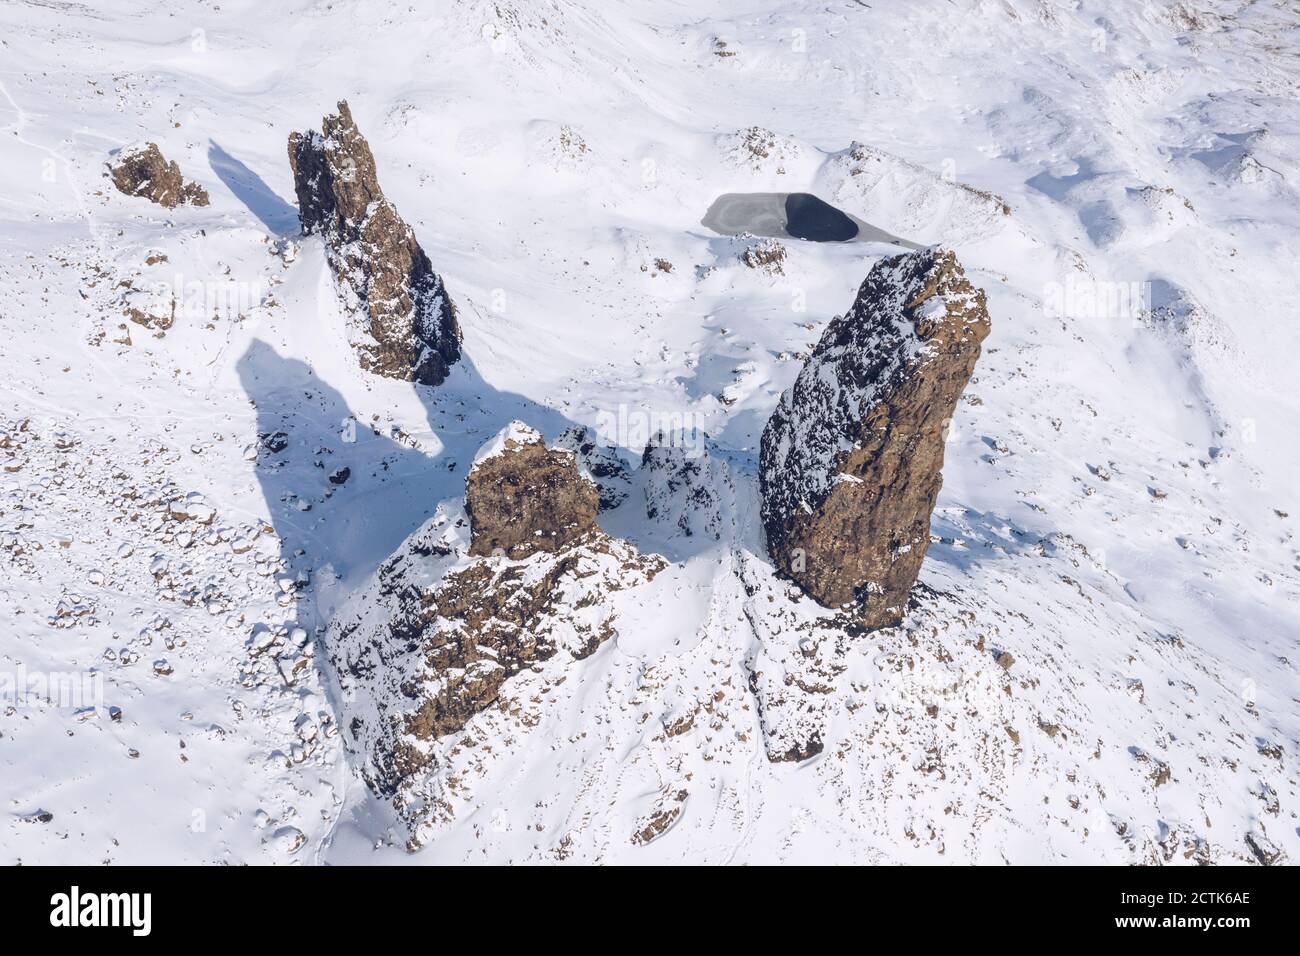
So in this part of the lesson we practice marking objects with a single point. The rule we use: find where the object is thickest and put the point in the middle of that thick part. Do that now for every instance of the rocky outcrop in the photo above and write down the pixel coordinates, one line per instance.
(437, 652)
(766, 255)
(142, 171)
(601, 462)
(523, 497)
(407, 328)
(443, 636)
(683, 485)
(481, 627)
(851, 458)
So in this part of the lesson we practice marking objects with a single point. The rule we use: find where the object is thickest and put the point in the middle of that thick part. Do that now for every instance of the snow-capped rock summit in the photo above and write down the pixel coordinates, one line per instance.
(408, 329)
(523, 498)
(851, 457)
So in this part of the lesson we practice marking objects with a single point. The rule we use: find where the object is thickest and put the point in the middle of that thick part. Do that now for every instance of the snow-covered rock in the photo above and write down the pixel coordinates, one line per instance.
(601, 463)
(1088, 673)
(682, 485)
(439, 648)
(141, 170)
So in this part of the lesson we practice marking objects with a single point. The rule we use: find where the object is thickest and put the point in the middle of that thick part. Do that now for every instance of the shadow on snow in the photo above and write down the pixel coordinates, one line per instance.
(339, 531)
(250, 189)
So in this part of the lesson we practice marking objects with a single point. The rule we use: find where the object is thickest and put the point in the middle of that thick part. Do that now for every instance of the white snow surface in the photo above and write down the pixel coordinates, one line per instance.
(1103, 667)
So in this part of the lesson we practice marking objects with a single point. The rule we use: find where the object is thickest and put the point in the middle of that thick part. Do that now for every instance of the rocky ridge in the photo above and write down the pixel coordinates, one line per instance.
(454, 626)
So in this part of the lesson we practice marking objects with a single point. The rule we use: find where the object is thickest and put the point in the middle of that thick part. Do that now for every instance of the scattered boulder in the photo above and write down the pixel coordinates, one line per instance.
(274, 442)
(142, 171)
(288, 840)
(408, 328)
(761, 150)
(523, 497)
(851, 458)
(766, 255)
(157, 323)
(1264, 850)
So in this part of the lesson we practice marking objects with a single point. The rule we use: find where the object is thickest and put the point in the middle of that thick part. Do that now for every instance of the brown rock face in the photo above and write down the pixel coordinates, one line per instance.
(144, 172)
(408, 329)
(523, 498)
(485, 624)
(494, 631)
(433, 643)
(851, 457)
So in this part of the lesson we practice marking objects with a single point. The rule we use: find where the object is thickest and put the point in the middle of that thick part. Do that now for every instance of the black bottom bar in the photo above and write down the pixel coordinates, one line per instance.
(217, 905)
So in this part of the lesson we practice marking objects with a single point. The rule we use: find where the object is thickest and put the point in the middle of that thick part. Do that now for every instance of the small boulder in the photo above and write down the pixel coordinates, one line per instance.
(142, 171)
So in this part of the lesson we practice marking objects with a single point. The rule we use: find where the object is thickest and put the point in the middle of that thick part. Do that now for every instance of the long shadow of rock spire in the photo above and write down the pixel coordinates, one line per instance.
(340, 496)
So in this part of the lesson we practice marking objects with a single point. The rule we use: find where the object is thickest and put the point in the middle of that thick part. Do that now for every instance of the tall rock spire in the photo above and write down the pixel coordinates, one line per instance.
(407, 328)
(851, 458)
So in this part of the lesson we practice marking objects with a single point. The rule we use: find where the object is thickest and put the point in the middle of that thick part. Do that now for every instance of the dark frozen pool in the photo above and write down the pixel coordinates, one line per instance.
(807, 217)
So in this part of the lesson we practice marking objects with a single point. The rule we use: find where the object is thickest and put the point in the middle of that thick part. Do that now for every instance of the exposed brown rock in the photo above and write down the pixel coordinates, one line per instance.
(662, 818)
(767, 255)
(495, 632)
(408, 327)
(144, 172)
(151, 321)
(434, 642)
(523, 497)
(851, 457)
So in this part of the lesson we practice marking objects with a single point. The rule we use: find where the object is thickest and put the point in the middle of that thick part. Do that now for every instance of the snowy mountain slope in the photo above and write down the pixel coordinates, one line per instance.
(1102, 666)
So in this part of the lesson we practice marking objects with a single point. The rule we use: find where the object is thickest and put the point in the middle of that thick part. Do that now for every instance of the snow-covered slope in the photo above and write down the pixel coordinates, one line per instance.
(1102, 664)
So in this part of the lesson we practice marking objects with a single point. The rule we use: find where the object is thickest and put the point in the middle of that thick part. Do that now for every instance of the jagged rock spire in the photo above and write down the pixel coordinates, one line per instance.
(851, 457)
(408, 327)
